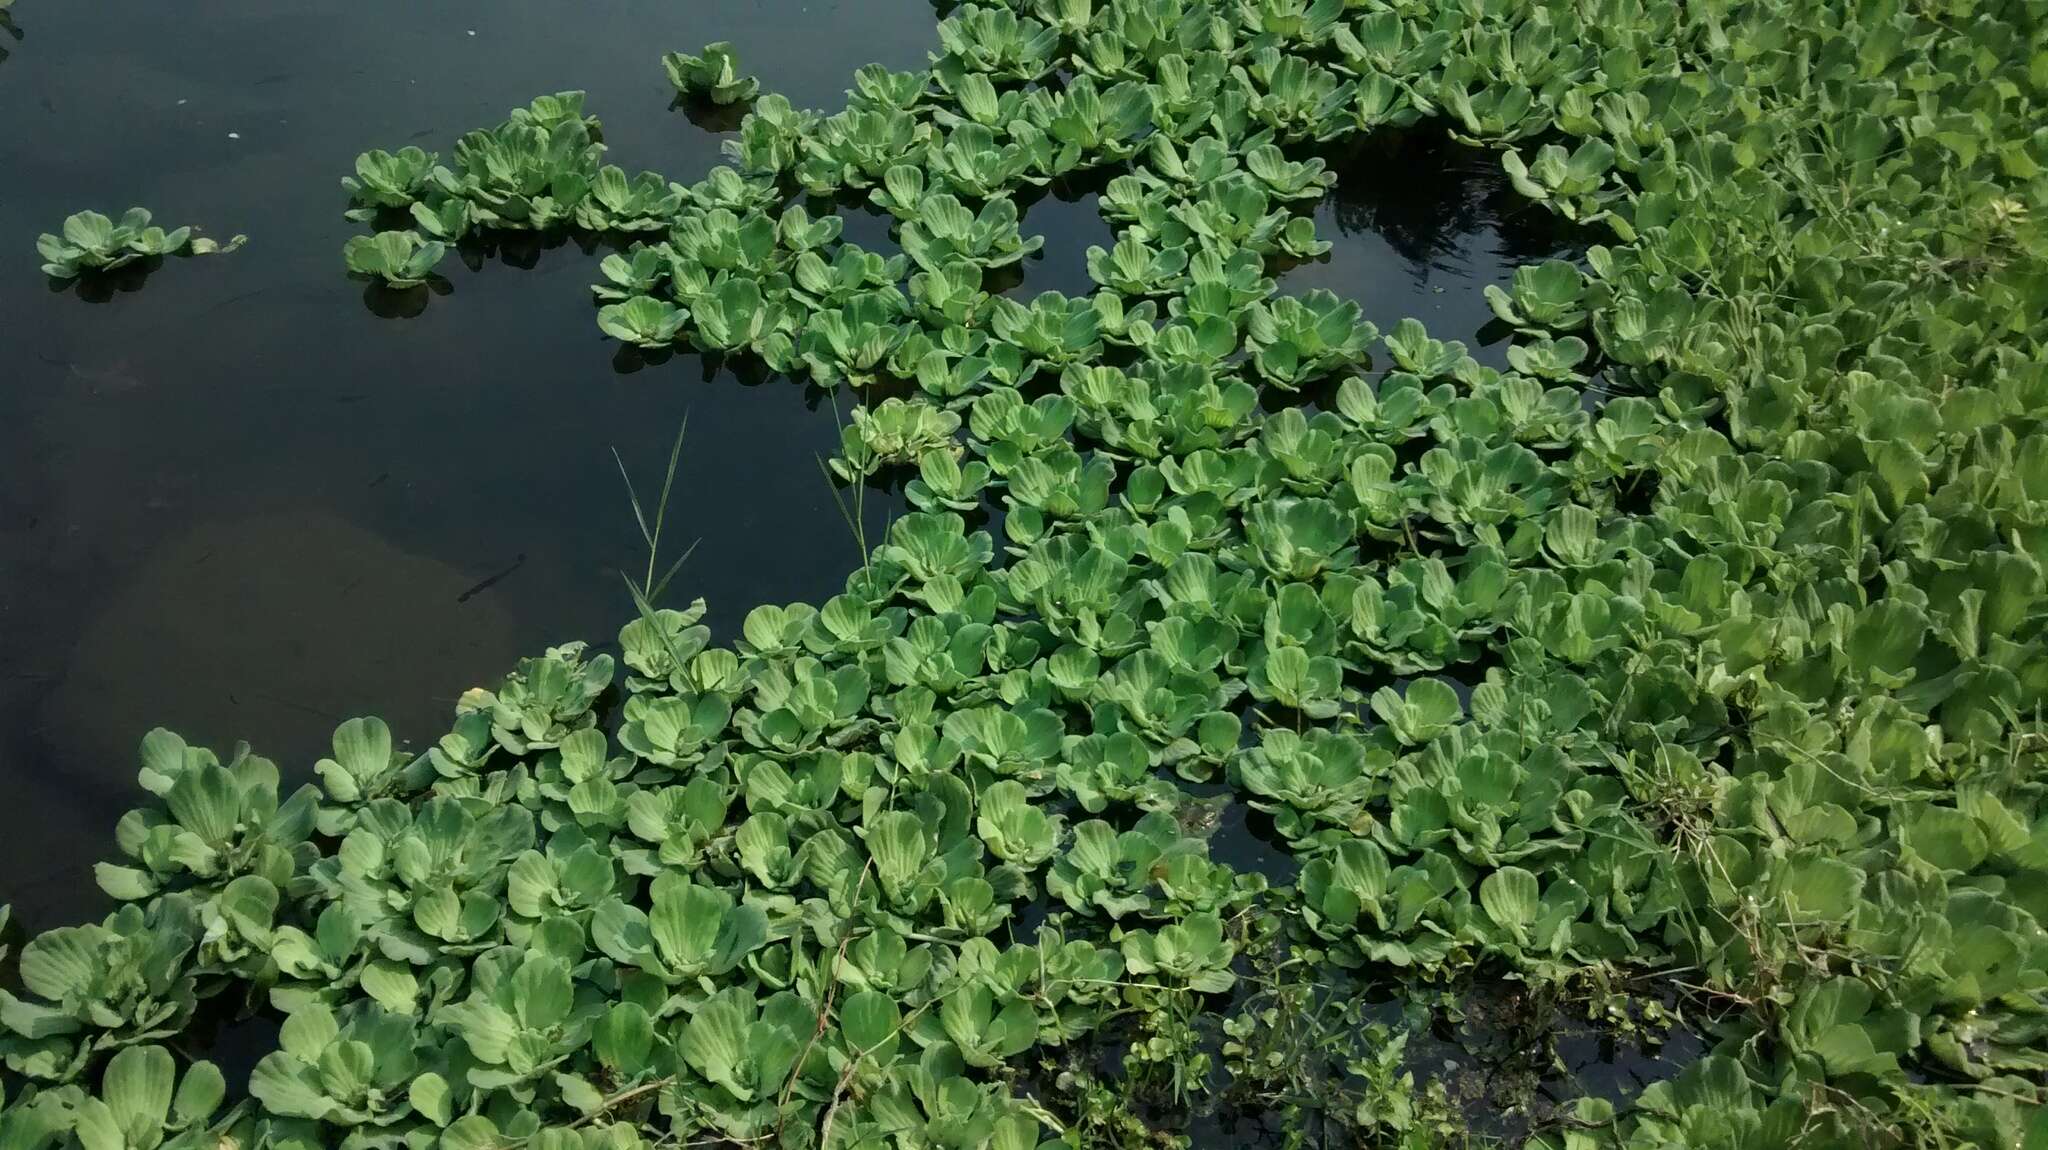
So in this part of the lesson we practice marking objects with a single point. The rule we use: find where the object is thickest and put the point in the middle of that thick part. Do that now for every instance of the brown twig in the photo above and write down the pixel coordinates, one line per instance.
(604, 1107)
(796, 1068)
(859, 1056)
(625, 1096)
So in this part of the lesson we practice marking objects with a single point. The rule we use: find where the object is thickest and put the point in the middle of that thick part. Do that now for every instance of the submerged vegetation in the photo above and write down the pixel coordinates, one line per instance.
(1691, 664)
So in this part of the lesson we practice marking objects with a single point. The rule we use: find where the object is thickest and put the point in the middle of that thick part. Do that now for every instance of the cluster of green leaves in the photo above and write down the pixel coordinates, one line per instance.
(90, 242)
(1729, 666)
(539, 169)
(715, 75)
(142, 1103)
(745, 917)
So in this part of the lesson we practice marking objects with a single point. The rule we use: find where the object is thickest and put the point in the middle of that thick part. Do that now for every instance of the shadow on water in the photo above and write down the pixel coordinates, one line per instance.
(386, 302)
(718, 119)
(865, 225)
(630, 359)
(104, 286)
(1513, 1057)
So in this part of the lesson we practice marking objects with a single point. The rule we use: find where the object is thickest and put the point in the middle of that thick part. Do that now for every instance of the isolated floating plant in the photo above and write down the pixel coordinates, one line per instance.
(90, 242)
(398, 259)
(1697, 652)
(715, 74)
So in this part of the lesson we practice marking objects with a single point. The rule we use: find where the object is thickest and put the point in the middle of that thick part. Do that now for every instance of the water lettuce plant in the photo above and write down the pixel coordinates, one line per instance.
(715, 74)
(540, 168)
(399, 259)
(91, 242)
(1715, 682)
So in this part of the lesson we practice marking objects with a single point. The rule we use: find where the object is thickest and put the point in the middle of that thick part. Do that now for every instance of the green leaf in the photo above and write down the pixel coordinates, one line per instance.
(714, 1041)
(96, 1127)
(392, 985)
(429, 1095)
(200, 1093)
(579, 1093)
(124, 883)
(362, 752)
(278, 1085)
(542, 990)
(138, 1086)
(1886, 640)
(1509, 897)
(870, 1021)
(1946, 837)
(207, 802)
(471, 1132)
(1822, 889)
(623, 1039)
(1429, 708)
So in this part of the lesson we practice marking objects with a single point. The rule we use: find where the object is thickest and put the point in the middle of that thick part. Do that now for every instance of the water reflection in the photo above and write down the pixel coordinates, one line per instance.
(1071, 222)
(272, 628)
(233, 508)
(719, 119)
(1437, 202)
(513, 248)
(630, 358)
(103, 286)
(1507, 1058)
(747, 369)
(386, 302)
(1419, 225)
(1514, 1057)
(865, 224)
(1246, 838)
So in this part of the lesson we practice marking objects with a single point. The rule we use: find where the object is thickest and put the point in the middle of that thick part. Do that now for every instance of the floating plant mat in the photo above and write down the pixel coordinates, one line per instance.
(1709, 691)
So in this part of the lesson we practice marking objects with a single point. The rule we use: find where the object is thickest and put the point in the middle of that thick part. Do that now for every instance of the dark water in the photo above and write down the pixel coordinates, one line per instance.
(1421, 224)
(239, 504)
(237, 501)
